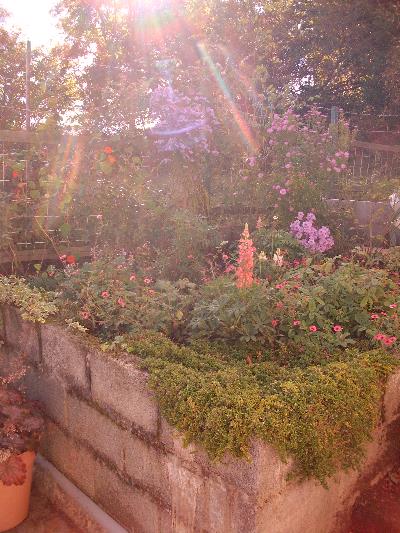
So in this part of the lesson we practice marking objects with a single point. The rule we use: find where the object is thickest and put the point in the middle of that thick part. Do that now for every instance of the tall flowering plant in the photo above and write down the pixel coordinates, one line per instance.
(244, 271)
(183, 123)
(316, 240)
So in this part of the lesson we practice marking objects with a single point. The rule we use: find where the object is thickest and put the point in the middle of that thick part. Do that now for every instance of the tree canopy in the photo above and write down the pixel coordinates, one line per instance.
(321, 52)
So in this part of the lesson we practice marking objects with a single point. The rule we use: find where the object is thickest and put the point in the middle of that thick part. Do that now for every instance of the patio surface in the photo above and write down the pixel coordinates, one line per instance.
(45, 518)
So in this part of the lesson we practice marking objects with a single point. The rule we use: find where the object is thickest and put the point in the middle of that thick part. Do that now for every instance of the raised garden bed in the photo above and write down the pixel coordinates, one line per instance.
(104, 431)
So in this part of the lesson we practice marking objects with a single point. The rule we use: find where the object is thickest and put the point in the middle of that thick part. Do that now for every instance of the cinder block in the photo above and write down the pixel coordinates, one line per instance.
(391, 403)
(72, 459)
(131, 507)
(119, 385)
(65, 356)
(102, 434)
(147, 465)
(247, 475)
(21, 335)
(188, 498)
(49, 392)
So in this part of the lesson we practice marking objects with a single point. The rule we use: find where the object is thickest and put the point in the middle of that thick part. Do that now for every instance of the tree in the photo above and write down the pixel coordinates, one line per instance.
(53, 89)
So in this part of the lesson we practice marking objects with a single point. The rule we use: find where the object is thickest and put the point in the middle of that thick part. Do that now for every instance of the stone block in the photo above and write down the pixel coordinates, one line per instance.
(391, 403)
(87, 424)
(49, 392)
(65, 356)
(146, 465)
(188, 505)
(72, 459)
(119, 385)
(21, 335)
(132, 508)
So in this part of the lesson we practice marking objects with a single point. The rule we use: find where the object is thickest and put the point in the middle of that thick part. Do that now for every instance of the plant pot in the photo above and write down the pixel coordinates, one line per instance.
(14, 499)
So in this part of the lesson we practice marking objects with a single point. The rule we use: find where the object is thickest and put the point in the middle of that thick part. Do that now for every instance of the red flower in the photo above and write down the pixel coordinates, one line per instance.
(337, 328)
(105, 294)
(313, 328)
(388, 341)
(15, 174)
(107, 150)
(379, 337)
(70, 259)
(274, 323)
(374, 316)
(296, 322)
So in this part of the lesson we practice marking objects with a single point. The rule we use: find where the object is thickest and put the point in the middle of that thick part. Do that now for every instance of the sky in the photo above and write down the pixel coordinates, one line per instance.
(33, 19)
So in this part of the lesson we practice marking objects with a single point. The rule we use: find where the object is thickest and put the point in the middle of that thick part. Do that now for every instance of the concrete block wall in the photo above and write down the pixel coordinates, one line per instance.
(105, 433)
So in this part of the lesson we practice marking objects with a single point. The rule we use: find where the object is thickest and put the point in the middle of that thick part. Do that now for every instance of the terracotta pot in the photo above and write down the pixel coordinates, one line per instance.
(14, 499)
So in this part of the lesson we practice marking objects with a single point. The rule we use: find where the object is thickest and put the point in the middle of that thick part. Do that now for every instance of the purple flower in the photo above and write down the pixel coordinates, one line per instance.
(316, 240)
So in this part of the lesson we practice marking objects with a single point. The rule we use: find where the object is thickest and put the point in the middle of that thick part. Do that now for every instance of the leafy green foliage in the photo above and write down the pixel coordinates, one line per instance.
(320, 415)
(35, 305)
(316, 308)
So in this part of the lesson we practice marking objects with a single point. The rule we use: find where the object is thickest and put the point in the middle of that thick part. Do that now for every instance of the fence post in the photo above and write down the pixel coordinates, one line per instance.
(334, 115)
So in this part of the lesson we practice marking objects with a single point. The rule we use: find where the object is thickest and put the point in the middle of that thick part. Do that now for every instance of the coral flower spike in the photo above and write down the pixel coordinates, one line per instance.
(244, 271)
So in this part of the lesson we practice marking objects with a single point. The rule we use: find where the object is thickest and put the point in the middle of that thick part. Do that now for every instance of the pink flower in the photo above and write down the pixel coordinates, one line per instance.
(337, 328)
(393, 306)
(190, 256)
(279, 305)
(379, 337)
(296, 322)
(274, 323)
(132, 277)
(374, 316)
(383, 313)
(313, 328)
(121, 302)
(147, 281)
(393, 339)
(282, 192)
(388, 341)
(85, 315)
(225, 257)
(279, 286)
(105, 294)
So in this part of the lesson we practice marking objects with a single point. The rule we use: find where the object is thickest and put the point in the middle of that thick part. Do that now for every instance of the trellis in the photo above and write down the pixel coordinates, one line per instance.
(374, 161)
(15, 148)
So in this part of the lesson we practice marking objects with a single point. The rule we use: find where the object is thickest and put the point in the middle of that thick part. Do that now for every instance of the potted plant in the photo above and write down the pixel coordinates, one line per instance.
(21, 426)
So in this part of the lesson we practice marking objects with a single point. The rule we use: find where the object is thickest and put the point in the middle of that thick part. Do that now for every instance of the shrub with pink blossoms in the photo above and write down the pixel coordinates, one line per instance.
(316, 240)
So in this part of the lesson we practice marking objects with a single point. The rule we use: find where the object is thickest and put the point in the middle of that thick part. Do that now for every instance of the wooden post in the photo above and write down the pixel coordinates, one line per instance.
(334, 115)
(27, 86)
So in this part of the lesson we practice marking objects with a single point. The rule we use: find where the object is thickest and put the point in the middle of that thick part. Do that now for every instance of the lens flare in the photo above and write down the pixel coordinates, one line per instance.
(244, 128)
